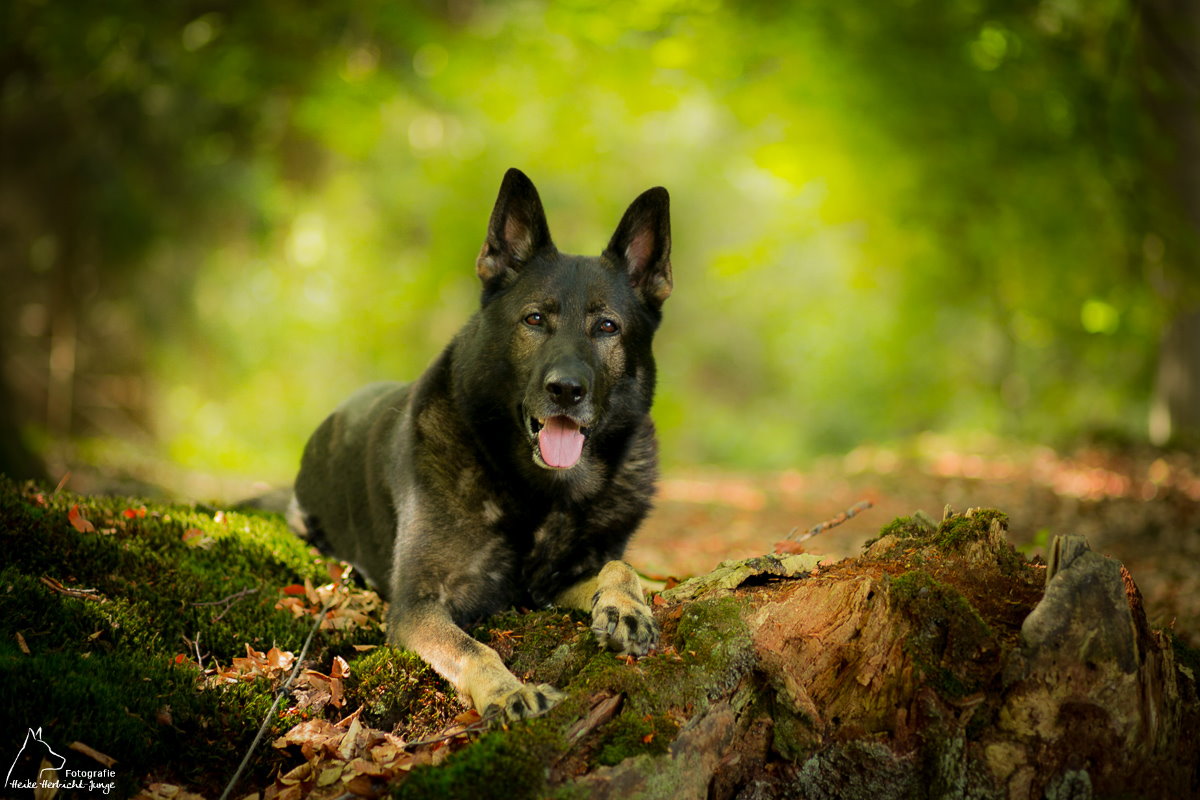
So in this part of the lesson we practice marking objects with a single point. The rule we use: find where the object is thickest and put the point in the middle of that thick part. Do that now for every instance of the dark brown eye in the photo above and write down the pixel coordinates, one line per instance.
(608, 326)
(535, 320)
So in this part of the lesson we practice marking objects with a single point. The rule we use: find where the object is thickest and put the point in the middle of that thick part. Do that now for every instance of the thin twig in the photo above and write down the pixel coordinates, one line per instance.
(849, 513)
(230, 599)
(83, 594)
(266, 723)
(199, 658)
(478, 725)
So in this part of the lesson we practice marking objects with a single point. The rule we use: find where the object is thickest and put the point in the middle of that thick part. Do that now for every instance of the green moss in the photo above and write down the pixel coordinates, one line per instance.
(396, 685)
(545, 646)
(948, 635)
(505, 765)
(918, 526)
(793, 735)
(101, 666)
(710, 650)
(632, 734)
(958, 529)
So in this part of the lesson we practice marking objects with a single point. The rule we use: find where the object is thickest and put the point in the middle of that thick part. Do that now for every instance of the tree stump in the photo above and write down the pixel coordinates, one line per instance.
(940, 663)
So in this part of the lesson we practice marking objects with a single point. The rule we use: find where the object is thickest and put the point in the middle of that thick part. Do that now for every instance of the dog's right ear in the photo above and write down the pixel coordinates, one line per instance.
(516, 231)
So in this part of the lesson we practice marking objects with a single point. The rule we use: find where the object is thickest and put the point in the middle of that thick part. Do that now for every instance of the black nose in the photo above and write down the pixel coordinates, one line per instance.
(565, 390)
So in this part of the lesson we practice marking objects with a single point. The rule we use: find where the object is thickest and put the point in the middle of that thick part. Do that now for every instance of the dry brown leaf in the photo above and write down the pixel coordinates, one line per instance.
(280, 659)
(340, 668)
(299, 775)
(79, 522)
(311, 736)
(349, 744)
(330, 775)
(294, 605)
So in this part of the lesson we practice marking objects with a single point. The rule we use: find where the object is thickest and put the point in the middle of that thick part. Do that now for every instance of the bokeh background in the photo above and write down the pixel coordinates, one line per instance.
(968, 217)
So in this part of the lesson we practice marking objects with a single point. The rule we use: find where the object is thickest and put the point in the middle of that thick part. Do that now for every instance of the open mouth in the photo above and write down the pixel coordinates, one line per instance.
(559, 441)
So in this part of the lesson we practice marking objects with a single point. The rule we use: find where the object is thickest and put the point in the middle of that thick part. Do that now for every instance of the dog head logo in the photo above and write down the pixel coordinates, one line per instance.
(34, 751)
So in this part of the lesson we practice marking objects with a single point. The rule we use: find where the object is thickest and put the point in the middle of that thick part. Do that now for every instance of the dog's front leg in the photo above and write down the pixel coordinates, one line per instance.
(475, 669)
(621, 619)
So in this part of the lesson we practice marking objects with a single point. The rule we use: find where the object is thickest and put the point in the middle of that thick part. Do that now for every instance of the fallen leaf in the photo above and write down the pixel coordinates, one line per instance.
(295, 605)
(79, 522)
(346, 750)
(312, 736)
(340, 668)
(194, 537)
(280, 659)
(295, 589)
(299, 775)
(468, 717)
(330, 775)
(21, 644)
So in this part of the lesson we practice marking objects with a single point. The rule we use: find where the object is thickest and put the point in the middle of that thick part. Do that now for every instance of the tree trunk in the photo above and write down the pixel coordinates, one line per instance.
(1175, 412)
(1170, 49)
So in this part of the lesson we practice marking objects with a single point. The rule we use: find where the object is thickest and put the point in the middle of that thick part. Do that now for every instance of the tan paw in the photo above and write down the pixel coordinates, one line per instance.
(526, 701)
(623, 623)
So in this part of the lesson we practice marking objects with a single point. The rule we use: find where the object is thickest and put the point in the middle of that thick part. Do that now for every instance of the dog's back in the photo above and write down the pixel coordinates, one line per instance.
(350, 475)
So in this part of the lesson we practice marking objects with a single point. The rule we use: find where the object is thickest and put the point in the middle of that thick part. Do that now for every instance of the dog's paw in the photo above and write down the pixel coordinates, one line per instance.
(526, 701)
(623, 623)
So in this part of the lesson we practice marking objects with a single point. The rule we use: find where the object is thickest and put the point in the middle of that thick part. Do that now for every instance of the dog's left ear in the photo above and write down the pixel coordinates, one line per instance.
(516, 231)
(642, 245)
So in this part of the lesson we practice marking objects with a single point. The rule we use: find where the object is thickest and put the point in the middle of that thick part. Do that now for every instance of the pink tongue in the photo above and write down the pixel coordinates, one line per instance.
(561, 442)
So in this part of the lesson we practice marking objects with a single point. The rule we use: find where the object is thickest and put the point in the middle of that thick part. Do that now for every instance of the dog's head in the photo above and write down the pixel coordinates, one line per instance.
(573, 332)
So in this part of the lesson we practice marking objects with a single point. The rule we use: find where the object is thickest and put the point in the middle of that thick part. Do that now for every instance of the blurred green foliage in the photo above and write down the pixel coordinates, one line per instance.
(888, 217)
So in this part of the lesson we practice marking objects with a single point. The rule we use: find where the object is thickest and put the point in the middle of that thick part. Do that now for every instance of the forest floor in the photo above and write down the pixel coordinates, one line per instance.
(1141, 507)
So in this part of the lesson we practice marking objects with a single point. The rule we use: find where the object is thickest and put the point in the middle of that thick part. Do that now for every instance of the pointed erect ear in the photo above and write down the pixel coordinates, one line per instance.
(642, 245)
(516, 231)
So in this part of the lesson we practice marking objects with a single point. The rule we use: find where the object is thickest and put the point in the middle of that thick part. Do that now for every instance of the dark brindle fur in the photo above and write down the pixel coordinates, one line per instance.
(514, 471)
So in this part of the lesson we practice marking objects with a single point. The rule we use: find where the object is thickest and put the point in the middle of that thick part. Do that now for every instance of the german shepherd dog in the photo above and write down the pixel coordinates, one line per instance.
(516, 468)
